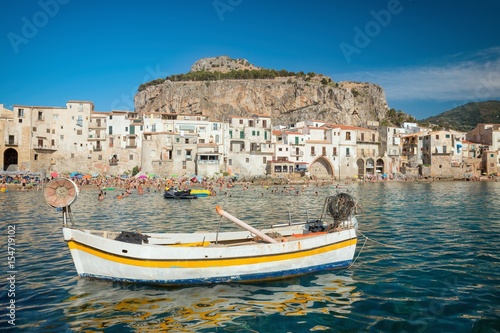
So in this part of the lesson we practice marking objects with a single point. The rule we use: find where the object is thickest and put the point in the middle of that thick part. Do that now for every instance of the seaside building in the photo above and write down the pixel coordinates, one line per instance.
(76, 138)
(250, 145)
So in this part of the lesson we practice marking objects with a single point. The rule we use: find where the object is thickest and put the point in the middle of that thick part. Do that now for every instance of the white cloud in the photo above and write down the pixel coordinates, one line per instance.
(473, 77)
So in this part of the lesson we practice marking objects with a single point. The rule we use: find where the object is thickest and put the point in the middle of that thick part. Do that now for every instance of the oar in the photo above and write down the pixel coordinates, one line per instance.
(265, 237)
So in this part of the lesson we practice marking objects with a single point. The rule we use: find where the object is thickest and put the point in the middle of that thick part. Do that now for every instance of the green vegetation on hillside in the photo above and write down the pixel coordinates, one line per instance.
(232, 75)
(397, 118)
(466, 117)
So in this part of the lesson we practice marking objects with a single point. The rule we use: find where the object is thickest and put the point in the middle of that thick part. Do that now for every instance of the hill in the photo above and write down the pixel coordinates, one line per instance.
(221, 87)
(464, 118)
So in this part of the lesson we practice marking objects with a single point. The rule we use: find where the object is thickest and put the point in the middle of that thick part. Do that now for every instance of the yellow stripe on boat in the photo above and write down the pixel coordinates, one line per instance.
(207, 263)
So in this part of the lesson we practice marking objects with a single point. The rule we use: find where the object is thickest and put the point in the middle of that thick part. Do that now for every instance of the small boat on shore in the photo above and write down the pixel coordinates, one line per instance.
(171, 193)
(278, 252)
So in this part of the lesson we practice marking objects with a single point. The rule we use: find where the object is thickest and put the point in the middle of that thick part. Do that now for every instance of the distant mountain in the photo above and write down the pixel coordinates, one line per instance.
(464, 118)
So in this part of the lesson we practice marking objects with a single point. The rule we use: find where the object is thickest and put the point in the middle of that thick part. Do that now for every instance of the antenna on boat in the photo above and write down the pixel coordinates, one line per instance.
(60, 193)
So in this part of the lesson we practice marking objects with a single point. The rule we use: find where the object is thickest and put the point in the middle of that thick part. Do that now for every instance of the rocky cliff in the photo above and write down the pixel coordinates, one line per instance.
(286, 99)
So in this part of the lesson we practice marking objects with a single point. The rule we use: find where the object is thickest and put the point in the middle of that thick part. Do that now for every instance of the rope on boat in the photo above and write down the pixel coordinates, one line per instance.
(380, 243)
(359, 253)
(340, 207)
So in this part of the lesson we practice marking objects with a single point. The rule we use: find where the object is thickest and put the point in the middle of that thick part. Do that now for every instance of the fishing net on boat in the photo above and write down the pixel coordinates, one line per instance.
(340, 207)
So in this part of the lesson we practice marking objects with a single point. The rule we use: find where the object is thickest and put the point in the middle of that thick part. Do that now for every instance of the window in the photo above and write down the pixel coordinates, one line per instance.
(215, 126)
(230, 134)
(61, 137)
(348, 136)
(126, 129)
(264, 123)
(264, 161)
(20, 113)
(34, 129)
(247, 160)
(40, 115)
(242, 135)
(78, 132)
(230, 161)
(179, 152)
(313, 153)
(437, 136)
(334, 151)
(184, 164)
(11, 139)
(99, 157)
(347, 152)
(111, 143)
(36, 157)
(241, 121)
(131, 157)
(186, 141)
(110, 130)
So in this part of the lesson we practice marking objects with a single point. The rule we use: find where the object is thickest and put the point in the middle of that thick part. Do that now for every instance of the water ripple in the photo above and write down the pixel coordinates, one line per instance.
(431, 264)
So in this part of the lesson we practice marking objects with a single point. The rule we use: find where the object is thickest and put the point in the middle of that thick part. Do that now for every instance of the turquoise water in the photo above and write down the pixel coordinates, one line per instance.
(430, 264)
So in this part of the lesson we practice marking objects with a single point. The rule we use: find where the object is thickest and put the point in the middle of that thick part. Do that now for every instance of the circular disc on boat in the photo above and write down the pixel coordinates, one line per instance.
(60, 192)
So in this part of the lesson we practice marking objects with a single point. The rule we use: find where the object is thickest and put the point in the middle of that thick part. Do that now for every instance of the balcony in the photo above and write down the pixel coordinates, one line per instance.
(96, 137)
(97, 148)
(113, 161)
(44, 147)
(97, 125)
(11, 143)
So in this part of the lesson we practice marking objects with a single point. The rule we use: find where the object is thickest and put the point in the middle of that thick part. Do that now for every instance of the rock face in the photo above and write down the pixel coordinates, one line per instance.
(221, 64)
(286, 99)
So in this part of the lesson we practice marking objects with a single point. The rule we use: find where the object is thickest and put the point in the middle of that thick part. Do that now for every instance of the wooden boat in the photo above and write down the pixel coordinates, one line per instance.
(281, 251)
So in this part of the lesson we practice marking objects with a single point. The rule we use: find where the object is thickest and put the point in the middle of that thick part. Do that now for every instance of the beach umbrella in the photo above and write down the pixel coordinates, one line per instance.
(151, 175)
(54, 174)
(74, 174)
(142, 177)
(87, 176)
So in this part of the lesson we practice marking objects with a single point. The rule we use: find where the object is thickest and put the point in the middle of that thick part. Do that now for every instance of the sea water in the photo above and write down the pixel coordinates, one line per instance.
(427, 260)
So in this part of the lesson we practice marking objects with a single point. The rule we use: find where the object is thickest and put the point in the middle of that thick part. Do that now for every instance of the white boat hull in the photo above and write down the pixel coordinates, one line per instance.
(199, 261)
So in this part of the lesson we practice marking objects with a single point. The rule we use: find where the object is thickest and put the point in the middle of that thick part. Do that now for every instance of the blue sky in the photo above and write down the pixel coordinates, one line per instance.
(429, 56)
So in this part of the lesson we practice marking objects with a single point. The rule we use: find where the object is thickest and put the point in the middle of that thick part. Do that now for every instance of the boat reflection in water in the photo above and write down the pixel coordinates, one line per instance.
(98, 305)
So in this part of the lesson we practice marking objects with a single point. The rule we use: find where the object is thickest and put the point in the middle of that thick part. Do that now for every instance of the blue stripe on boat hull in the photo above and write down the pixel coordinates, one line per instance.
(228, 279)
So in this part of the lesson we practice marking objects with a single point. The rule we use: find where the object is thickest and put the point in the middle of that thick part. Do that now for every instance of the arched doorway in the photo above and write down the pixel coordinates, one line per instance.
(321, 168)
(10, 158)
(370, 167)
(361, 168)
(380, 167)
